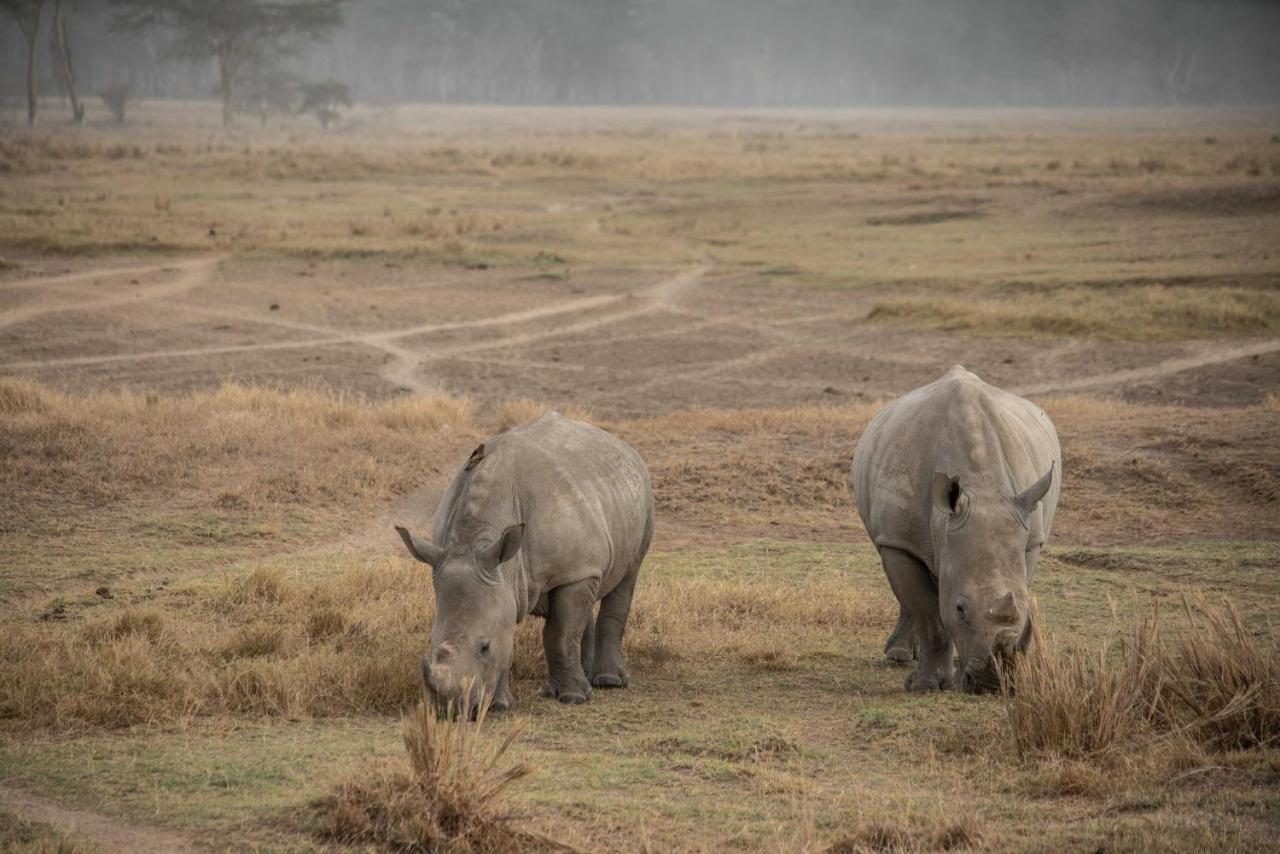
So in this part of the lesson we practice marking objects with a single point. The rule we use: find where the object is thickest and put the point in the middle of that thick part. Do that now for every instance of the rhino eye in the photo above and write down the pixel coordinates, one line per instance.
(484, 648)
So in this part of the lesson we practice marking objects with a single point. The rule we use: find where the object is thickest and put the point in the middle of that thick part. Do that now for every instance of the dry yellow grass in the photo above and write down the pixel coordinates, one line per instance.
(238, 447)
(1149, 704)
(1140, 312)
(451, 798)
(268, 645)
(513, 413)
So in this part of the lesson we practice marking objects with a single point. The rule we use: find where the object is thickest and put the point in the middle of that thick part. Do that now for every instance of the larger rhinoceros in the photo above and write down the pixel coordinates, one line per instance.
(546, 519)
(957, 483)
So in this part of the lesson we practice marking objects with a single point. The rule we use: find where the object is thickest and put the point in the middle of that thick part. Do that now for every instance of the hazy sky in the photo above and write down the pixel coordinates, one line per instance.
(741, 52)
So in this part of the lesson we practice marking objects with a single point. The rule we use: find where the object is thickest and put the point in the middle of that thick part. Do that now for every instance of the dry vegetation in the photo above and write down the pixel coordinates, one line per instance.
(1151, 312)
(450, 797)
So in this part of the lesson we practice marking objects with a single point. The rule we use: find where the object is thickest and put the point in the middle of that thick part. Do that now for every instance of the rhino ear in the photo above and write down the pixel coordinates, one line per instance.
(504, 548)
(946, 493)
(1028, 500)
(428, 553)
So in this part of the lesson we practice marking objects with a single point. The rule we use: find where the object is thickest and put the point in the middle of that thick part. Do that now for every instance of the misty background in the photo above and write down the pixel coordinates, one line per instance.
(727, 52)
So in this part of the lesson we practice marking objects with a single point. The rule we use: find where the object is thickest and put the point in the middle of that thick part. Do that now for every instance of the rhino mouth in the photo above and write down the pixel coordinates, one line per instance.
(980, 677)
(448, 706)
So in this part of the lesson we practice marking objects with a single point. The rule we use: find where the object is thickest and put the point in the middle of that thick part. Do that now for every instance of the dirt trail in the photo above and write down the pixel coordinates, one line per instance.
(1168, 367)
(195, 272)
(402, 370)
(107, 832)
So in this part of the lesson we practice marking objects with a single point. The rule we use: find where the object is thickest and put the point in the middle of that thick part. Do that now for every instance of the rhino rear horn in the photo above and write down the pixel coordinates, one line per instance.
(428, 553)
(1028, 500)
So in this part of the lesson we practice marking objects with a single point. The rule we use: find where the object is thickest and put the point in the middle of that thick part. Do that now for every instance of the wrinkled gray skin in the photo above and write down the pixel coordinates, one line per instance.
(546, 519)
(957, 483)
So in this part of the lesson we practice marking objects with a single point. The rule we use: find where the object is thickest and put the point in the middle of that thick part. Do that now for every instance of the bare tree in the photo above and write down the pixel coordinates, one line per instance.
(27, 13)
(62, 50)
(236, 33)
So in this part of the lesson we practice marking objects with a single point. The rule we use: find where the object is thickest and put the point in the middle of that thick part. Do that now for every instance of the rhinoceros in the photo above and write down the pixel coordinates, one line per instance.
(546, 519)
(957, 483)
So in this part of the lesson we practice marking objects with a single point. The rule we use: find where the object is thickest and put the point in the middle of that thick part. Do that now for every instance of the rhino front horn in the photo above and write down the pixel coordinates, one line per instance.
(1005, 610)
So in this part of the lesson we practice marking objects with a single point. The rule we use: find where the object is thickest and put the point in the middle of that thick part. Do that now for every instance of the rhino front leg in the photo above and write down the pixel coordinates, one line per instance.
(570, 610)
(610, 671)
(900, 648)
(917, 595)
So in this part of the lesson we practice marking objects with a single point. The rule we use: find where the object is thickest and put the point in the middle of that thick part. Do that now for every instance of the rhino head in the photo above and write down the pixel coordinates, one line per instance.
(986, 542)
(475, 621)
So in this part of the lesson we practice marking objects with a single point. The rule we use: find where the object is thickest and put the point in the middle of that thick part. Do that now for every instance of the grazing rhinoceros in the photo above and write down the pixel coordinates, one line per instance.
(957, 483)
(546, 519)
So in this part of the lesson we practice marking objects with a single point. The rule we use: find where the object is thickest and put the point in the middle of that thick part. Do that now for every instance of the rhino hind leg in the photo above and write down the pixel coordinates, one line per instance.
(900, 648)
(588, 645)
(609, 670)
(917, 594)
(570, 608)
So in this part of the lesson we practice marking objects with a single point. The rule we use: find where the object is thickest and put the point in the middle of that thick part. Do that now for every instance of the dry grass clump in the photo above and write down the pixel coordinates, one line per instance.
(451, 798)
(1216, 687)
(1224, 680)
(20, 836)
(936, 834)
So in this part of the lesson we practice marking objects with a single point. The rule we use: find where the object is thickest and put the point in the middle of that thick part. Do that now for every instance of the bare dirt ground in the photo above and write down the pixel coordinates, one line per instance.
(620, 345)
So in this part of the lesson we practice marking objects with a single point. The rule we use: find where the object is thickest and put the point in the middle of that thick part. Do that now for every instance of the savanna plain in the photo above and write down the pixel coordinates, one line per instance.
(230, 361)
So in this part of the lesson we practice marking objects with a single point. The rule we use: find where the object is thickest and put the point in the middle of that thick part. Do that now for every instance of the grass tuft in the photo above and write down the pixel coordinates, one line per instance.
(450, 798)
(1216, 687)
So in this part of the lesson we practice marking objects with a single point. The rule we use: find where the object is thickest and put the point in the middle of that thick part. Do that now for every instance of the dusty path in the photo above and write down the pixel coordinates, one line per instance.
(1215, 356)
(109, 833)
(660, 346)
(403, 369)
(194, 272)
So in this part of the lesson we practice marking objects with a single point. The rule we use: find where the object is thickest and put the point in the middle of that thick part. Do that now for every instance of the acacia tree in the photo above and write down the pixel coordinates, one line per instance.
(62, 50)
(236, 33)
(27, 13)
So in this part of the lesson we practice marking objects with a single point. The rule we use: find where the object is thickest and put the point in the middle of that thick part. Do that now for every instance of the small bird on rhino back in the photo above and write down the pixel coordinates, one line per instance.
(957, 483)
(546, 519)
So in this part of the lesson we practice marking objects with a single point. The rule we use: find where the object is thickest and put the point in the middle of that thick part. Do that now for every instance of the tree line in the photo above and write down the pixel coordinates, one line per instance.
(728, 52)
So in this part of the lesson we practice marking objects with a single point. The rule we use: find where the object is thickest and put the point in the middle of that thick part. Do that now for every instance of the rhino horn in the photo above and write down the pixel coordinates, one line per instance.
(1005, 610)
(1028, 500)
(428, 553)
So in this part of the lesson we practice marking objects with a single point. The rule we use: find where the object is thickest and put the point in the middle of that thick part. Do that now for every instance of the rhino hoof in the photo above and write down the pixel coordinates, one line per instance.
(918, 681)
(608, 680)
(573, 699)
(899, 655)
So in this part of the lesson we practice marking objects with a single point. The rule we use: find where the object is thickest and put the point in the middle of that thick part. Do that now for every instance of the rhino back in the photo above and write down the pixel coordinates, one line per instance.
(959, 425)
(585, 497)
